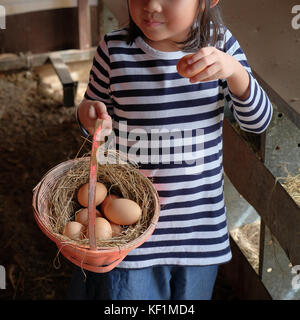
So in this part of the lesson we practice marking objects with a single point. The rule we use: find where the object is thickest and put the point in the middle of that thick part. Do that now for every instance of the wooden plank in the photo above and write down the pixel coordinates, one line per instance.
(61, 69)
(101, 19)
(262, 157)
(260, 188)
(24, 6)
(262, 237)
(39, 59)
(242, 277)
(84, 24)
(37, 32)
(57, 30)
(69, 86)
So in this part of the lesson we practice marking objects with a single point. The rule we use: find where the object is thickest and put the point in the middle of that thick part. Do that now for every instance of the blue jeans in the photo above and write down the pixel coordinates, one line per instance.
(152, 283)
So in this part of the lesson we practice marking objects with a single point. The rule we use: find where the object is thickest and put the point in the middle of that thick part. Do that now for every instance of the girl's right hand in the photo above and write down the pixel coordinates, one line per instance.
(89, 111)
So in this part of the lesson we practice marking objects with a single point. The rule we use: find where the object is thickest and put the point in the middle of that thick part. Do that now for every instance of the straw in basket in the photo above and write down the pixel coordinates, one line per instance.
(89, 254)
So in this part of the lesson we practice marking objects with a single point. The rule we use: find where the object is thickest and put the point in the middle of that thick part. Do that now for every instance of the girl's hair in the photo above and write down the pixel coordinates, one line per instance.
(206, 30)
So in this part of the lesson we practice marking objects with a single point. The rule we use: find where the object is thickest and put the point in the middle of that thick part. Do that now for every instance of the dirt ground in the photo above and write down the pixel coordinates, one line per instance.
(37, 133)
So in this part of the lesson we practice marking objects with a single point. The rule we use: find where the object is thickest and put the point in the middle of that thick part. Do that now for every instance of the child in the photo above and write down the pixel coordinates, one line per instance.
(134, 80)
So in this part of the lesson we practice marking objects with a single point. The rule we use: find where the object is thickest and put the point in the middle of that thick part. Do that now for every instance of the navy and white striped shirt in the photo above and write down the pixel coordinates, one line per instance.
(173, 130)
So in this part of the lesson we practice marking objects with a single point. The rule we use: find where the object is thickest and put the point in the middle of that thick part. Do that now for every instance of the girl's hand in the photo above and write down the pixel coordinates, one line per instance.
(89, 111)
(216, 64)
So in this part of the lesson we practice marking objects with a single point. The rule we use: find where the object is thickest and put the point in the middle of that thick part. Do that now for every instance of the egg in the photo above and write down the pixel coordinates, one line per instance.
(123, 211)
(82, 216)
(83, 194)
(107, 199)
(182, 67)
(103, 229)
(74, 230)
(116, 229)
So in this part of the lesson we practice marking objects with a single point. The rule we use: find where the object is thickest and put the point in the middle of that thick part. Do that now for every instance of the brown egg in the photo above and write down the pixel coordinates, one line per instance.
(182, 67)
(123, 211)
(83, 194)
(82, 216)
(74, 230)
(103, 229)
(107, 199)
(116, 229)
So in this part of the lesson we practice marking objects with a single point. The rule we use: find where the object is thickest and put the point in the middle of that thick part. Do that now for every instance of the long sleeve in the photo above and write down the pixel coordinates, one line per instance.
(99, 80)
(254, 113)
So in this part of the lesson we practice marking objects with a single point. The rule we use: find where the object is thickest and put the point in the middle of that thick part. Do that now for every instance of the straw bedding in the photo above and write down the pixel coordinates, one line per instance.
(292, 186)
(120, 178)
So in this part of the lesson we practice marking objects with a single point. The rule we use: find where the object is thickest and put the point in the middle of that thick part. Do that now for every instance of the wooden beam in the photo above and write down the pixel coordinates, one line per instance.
(242, 277)
(84, 24)
(260, 188)
(60, 68)
(63, 73)
(262, 154)
(101, 19)
(39, 59)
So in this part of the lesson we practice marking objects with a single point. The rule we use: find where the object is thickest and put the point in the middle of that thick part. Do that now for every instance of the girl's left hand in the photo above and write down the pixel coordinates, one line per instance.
(216, 64)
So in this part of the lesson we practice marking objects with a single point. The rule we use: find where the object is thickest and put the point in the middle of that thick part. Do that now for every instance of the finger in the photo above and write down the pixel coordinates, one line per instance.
(201, 65)
(100, 108)
(105, 116)
(106, 130)
(203, 52)
(107, 126)
(210, 73)
(92, 112)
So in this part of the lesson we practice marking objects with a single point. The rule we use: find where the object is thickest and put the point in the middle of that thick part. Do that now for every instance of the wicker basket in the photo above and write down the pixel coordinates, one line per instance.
(101, 259)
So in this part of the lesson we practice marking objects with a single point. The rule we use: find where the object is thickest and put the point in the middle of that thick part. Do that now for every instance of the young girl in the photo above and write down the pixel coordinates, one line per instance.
(134, 81)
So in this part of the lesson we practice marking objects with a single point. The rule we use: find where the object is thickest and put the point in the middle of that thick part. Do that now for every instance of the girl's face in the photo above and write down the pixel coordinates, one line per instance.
(164, 22)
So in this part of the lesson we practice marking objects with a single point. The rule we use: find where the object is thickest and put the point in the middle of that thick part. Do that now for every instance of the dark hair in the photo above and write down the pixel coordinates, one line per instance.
(207, 29)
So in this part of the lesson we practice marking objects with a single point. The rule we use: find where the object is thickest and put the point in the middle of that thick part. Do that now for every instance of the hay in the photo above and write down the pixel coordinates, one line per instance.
(120, 178)
(247, 238)
(292, 186)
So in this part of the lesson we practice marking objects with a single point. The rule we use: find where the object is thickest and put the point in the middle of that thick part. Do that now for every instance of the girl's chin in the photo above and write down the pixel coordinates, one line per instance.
(162, 45)
(154, 36)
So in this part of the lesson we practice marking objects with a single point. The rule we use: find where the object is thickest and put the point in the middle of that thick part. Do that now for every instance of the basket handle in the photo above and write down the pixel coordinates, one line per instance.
(92, 184)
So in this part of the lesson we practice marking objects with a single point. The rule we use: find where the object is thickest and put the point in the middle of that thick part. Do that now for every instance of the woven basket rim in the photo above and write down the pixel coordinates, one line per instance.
(82, 247)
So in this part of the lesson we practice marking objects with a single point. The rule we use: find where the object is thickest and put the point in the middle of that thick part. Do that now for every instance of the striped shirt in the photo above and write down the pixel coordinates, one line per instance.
(173, 130)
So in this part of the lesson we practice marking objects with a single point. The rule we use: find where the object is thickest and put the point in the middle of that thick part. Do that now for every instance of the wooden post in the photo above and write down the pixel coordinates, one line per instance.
(262, 154)
(243, 277)
(84, 24)
(100, 19)
(69, 86)
(260, 188)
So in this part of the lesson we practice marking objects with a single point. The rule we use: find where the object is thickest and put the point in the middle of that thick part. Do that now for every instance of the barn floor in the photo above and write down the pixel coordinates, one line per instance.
(37, 133)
